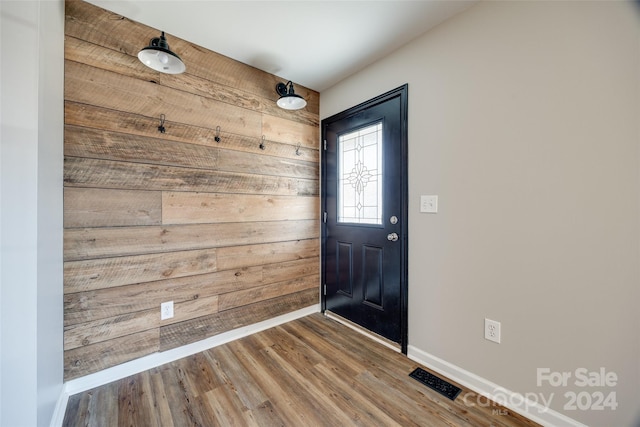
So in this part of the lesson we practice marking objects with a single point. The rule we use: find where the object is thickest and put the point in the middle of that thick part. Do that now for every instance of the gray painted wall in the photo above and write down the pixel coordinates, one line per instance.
(523, 118)
(31, 162)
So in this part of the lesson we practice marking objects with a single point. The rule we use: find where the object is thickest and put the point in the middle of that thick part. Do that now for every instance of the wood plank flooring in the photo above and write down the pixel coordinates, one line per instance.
(309, 372)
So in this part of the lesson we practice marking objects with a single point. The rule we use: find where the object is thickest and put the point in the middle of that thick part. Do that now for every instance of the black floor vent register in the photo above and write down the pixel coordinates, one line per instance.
(438, 384)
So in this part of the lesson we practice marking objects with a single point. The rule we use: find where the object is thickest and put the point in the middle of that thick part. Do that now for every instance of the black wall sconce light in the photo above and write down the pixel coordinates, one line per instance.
(159, 57)
(288, 98)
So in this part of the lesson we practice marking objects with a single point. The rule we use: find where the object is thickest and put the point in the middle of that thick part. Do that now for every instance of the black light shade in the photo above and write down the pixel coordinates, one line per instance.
(159, 57)
(288, 98)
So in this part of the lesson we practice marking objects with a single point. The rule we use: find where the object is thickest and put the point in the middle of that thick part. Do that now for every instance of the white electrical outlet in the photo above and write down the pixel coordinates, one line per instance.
(166, 310)
(492, 330)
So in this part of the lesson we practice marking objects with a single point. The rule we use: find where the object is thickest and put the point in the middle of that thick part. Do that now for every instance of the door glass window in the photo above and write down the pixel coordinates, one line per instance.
(360, 176)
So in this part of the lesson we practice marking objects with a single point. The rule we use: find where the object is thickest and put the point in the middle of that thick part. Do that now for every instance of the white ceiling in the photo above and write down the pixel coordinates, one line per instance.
(313, 43)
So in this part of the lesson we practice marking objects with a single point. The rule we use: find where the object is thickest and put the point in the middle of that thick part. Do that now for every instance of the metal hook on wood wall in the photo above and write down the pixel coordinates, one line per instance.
(262, 147)
(217, 138)
(161, 128)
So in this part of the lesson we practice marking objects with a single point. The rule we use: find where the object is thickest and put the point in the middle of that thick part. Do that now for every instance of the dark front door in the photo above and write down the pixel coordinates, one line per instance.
(365, 215)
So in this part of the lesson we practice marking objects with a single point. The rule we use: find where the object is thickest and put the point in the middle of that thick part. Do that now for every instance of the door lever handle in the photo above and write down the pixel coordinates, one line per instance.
(392, 237)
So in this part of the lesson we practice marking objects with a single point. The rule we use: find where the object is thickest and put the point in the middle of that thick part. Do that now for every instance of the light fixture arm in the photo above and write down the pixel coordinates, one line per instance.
(285, 89)
(160, 41)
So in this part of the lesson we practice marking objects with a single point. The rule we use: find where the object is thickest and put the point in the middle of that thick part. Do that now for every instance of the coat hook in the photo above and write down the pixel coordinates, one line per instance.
(262, 143)
(217, 138)
(161, 128)
(298, 149)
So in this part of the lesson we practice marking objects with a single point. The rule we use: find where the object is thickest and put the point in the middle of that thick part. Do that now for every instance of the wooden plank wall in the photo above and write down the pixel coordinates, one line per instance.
(226, 230)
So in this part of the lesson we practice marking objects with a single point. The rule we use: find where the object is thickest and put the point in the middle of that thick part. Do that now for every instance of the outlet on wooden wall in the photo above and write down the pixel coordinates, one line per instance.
(227, 231)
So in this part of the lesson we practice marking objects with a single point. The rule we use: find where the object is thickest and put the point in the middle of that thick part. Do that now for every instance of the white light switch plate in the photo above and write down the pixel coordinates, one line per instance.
(429, 204)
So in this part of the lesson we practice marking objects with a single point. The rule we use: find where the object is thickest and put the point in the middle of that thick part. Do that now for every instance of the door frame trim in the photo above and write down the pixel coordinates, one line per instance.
(402, 92)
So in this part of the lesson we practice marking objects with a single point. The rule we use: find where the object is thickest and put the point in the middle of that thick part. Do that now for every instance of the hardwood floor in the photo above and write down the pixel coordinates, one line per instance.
(309, 372)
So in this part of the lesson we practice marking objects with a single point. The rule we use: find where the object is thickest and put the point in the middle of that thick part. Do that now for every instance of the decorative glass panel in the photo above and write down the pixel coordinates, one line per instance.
(360, 176)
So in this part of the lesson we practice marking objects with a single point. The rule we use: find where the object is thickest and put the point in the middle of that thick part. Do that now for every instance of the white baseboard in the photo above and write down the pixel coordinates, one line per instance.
(509, 399)
(156, 359)
(58, 412)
